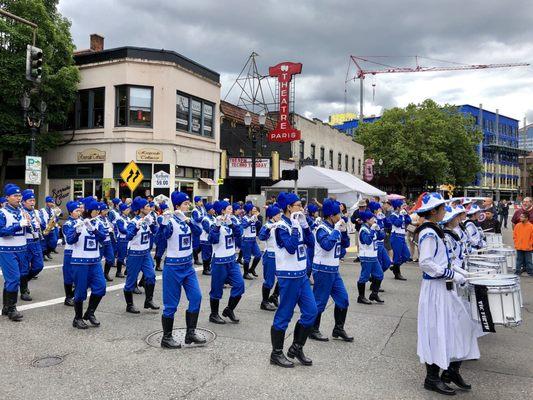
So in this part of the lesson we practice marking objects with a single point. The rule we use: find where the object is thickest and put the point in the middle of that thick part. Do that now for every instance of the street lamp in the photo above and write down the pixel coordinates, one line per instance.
(253, 136)
(33, 121)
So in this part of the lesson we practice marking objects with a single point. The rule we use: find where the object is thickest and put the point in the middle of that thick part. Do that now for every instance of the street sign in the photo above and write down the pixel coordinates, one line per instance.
(161, 179)
(220, 181)
(32, 177)
(132, 175)
(33, 163)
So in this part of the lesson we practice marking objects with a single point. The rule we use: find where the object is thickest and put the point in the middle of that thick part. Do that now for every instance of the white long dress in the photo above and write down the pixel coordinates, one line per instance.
(446, 332)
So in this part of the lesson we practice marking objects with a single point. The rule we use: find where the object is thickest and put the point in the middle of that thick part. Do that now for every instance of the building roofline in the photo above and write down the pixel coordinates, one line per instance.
(84, 58)
(490, 112)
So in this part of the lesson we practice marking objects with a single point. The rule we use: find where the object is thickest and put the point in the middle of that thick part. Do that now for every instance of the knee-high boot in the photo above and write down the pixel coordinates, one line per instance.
(433, 381)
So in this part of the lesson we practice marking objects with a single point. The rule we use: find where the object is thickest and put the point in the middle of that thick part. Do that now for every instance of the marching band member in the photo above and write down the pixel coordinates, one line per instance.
(179, 272)
(266, 234)
(112, 216)
(369, 234)
(49, 217)
(121, 233)
(446, 332)
(313, 220)
(292, 234)
(384, 224)
(106, 249)
(160, 240)
(237, 219)
(139, 230)
(34, 262)
(197, 215)
(450, 223)
(86, 238)
(207, 248)
(332, 240)
(153, 216)
(399, 220)
(12, 249)
(471, 225)
(75, 209)
(223, 266)
(249, 246)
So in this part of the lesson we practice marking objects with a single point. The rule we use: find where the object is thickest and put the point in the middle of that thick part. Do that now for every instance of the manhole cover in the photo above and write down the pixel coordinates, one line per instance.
(154, 339)
(47, 361)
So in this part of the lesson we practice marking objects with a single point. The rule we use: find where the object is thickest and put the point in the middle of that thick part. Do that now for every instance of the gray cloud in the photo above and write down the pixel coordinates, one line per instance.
(322, 34)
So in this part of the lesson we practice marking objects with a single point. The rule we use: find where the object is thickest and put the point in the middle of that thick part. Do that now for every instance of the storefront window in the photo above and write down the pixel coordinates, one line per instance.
(134, 106)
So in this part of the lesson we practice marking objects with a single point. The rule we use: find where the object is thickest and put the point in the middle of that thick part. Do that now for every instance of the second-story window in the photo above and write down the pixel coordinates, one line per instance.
(194, 115)
(346, 162)
(89, 108)
(313, 151)
(302, 150)
(134, 106)
(353, 165)
(322, 157)
(339, 162)
(331, 159)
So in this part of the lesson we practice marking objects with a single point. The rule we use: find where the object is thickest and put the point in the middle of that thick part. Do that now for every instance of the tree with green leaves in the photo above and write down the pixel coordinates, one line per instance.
(59, 78)
(424, 144)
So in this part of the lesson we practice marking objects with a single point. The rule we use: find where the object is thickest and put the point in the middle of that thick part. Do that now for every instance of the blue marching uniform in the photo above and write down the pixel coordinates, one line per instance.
(69, 228)
(383, 255)
(139, 260)
(160, 243)
(12, 257)
(224, 267)
(400, 251)
(49, 242)
(370, 266)
(249, 247)
(313, 224)
(34, 262)
(112, 217)
(106, 249)
(86, 239)
(330, 247)
(121, 233)
(207, 248)
(197, 215)
(267, 235)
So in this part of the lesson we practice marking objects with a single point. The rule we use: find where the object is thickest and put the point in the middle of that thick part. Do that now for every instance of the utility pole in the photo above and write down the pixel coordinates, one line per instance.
(22, 21)
(524, 166)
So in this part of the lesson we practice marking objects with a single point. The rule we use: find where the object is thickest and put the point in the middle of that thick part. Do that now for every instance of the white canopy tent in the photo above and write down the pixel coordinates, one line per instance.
(346, 187)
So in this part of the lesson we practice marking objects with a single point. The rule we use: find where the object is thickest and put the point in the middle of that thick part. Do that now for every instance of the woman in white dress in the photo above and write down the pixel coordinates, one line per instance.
(446, 333)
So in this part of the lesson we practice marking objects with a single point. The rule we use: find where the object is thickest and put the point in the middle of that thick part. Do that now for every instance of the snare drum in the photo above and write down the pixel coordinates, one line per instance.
(504, 301)
(475, 265)
(510, 256)
(493, 239)
(493, 258)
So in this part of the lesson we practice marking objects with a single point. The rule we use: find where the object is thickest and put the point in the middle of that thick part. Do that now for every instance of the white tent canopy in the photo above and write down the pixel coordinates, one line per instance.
(346, 187)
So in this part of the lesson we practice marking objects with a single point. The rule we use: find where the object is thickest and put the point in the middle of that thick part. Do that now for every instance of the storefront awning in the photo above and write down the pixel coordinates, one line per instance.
(208, 181)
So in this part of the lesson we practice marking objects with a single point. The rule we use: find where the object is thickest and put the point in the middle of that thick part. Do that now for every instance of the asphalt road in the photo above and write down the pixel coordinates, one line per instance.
(115, 362)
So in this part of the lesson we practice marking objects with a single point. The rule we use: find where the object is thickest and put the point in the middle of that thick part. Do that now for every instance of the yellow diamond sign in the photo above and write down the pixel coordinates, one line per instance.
(132, 175)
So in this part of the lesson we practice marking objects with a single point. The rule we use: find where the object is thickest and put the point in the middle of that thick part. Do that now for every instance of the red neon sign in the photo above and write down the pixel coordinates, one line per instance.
(284, 132)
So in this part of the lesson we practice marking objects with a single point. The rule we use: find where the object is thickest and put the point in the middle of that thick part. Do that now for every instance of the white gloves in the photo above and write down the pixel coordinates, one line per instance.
(79, 225)
(166, 217)
(340, 225)
(138, 223)
(403, 212)
(181, 216)
(375, 227)
(318, 220)
(88, 224)
(459, 270)
(228, 220)
(219, 220)
(295, 219)
(24, 222)
(459, 279)
(149, 219)
(302, 219)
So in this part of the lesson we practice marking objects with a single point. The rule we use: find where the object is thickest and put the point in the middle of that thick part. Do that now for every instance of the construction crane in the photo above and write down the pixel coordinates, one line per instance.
(390, 69)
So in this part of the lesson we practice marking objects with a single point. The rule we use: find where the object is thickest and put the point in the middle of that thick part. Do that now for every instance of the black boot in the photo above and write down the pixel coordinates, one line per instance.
(297, 348)
(148, 303)
(5, 302)
(130, 307)
(107, 269)
(361, 298)
(12, 312)
(434, 383)
(89, 313)
(380, 289)
(255, 262)
(167, 341)
(315, 332)
(374, 288)
(277, 357)
(119, 273)
(452, 375)
(158, 264)
(191, 336)
(239, 257)
(69, 295)
(228, 311)
(196, 252)
(338, 330)
(214, 317)
(136, 290)
(78, 321)
(141, 281)
(265, 305)
(397, 273)
(274, 296)
(207, 267)
(246, 269)
(24, 291)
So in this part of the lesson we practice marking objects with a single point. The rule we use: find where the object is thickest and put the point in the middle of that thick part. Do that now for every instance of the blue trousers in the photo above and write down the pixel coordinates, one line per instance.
(106, 251)
(383, 257)
(207, 251)
(370, 268)
(295, 291)
(269, 271)
(222, 271)
(249, 248)
(11, 264)
(50, 241)
(309, 263)
(195, 242)
(122, 250)
(33, 263)
(160, 247)
(88, 276)
(174, 278)
(114, 245)
(329, 284)
(136, 263)
(400, 251)
(68, 276)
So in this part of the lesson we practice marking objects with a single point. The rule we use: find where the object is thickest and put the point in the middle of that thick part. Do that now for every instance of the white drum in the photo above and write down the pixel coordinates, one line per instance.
(475, 265)
(510, 256)
(494, 239)
(504, 301)
(494, 258)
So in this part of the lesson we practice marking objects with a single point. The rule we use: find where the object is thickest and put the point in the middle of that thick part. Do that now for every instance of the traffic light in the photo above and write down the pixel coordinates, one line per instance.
(289, 175)
(34, 64)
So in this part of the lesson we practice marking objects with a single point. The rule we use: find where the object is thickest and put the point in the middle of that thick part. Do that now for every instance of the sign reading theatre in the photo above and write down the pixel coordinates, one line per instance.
(284, 132)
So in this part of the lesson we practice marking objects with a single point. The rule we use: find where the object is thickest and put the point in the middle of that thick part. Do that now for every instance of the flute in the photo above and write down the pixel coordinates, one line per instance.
(27, 216)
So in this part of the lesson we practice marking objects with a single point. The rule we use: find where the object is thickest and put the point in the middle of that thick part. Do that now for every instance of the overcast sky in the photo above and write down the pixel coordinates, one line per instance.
(322, 34)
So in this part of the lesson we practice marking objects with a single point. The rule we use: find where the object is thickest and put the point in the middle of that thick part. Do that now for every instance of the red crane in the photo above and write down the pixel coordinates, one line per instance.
(390, 69)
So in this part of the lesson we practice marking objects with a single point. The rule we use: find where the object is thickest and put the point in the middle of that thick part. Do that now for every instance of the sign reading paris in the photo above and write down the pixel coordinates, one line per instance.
(284, 131)
(132, 175)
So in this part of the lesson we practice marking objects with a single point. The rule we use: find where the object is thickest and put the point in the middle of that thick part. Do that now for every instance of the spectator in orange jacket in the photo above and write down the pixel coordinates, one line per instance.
(523, 243)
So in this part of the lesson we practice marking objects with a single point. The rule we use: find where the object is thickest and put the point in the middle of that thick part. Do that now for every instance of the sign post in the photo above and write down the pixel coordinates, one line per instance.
(132, 176)
(33, 170)
(161, 180)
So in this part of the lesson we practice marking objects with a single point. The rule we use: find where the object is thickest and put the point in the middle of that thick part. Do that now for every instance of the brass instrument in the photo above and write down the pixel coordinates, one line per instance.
(52, 222)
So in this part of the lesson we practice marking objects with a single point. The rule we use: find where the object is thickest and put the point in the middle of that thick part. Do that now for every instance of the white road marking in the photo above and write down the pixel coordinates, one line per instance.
(46, 267)
(60, 300)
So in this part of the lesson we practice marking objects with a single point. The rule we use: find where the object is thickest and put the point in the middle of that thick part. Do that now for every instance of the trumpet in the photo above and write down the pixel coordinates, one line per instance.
(52, 222)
